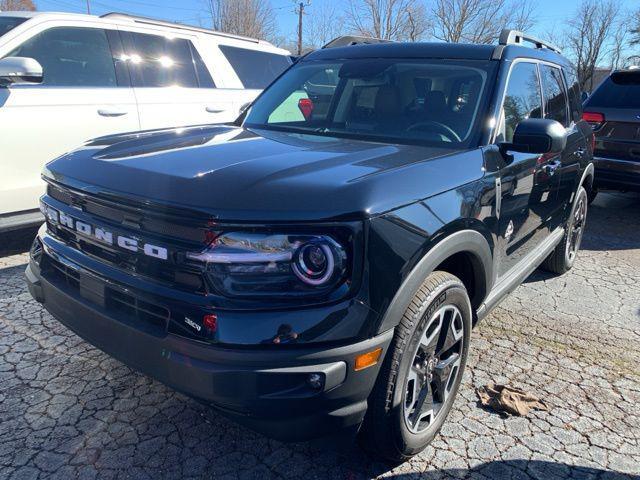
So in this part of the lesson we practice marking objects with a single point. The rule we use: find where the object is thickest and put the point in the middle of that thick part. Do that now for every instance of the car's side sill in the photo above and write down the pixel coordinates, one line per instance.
(520, 272)
(15, 221)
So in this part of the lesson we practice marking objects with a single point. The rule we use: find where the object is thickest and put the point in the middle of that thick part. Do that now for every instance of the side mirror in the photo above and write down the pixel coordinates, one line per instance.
(20, 70)
(537, 135)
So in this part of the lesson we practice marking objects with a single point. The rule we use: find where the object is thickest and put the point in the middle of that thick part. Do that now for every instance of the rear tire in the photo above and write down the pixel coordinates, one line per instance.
(421, 373)
(564, 255)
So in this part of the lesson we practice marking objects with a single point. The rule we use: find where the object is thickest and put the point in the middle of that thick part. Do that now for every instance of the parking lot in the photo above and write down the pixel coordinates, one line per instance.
(69, 411)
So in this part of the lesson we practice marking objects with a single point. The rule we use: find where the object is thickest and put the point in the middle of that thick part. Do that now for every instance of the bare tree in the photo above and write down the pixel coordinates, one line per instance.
(17, 5)
(252, 18)
(479, 21)
(635, 28)
(588, 34)
(388, 19)
(324, 23)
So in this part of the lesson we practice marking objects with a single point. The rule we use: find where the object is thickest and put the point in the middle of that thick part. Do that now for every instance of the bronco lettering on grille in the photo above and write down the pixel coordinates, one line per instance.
(103, 235)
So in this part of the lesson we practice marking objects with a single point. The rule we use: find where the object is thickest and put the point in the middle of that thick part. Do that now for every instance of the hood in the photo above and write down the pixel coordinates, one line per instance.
(236, 174)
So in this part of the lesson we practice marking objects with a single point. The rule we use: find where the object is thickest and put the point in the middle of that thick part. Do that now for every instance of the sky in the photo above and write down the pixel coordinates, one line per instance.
(549, 13)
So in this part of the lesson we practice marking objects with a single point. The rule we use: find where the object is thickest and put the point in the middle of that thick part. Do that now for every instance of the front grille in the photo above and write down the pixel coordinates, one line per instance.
(120, 213)
(130, 306)
(169, 232)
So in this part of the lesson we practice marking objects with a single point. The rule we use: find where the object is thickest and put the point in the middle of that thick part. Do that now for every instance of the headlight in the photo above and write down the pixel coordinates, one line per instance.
(260, 264)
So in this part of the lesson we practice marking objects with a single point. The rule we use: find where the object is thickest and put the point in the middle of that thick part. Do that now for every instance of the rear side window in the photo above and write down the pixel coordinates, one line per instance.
(575, 100)
(620, 90)
(165, 62)
(522, 99)
(555, 97)
(255, 69)
(72, 57)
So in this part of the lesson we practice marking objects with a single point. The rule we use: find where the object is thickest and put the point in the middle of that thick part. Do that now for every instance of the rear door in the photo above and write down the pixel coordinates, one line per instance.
(85, 94)
(614, 111)
(560, 173)
(172, 84)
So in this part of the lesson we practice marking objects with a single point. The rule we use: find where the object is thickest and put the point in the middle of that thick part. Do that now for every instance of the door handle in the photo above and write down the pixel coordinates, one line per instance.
(550, 168)
(112, 112)
(214, 110)
(580, 152)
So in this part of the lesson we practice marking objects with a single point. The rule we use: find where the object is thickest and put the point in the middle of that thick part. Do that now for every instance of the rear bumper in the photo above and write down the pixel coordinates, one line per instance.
(264, 388)
(617, 174)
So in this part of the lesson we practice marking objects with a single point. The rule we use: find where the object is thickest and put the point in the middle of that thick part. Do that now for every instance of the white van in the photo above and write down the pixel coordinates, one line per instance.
(67, 78)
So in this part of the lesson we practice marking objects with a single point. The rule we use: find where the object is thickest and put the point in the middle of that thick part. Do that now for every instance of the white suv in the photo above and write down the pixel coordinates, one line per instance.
(67, 78)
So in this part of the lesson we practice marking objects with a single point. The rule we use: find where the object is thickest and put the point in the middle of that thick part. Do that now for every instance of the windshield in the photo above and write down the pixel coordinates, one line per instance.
(620, 90)
(435, 102)
(9, 23)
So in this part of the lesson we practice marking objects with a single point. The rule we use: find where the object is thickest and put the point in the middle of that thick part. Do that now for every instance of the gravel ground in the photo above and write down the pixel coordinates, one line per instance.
(69, 411)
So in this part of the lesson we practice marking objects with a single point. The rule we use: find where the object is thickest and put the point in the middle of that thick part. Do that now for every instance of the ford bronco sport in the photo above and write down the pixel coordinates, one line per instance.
(318, 265)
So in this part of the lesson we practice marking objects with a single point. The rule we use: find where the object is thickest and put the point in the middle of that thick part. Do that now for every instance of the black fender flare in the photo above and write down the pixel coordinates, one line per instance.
(589, 169)
(470, 241)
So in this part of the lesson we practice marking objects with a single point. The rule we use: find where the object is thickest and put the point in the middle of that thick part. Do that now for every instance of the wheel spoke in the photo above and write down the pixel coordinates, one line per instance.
(452, 332)
(423, 407)
(443, 376)
(431, 334)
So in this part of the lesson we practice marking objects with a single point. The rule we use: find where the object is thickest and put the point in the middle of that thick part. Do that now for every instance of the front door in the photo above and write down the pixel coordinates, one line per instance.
(528, 183)
(80, 98)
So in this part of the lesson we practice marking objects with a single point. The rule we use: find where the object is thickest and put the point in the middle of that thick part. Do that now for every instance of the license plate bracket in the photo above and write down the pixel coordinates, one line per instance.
(92, 289)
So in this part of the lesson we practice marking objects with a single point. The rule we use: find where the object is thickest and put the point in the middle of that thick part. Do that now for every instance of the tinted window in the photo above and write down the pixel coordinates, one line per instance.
(434, 102)
(72, 57)
(555, 97)
(522, 99)
(575, 100)
(621, 90)
(255, 69)
(164, 62)
(9, 23)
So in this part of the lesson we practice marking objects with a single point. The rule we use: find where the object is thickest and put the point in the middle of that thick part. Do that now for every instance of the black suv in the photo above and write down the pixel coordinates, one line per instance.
(319, 265)
(613, 110)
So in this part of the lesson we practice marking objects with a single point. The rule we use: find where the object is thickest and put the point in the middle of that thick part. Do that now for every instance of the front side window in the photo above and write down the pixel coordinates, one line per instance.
(522, 99)
(9, 23)
(555, 96)
(165, 62)
(428, 101)
(255, 69)
(72, 57)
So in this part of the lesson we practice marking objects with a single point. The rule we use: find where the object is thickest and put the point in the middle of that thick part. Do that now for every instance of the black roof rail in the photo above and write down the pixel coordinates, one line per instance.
(164, 23)
(347, 40)
(516, 37)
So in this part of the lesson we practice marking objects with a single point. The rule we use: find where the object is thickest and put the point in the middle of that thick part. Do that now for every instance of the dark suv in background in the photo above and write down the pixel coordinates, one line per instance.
(318, 265)
(613, 110)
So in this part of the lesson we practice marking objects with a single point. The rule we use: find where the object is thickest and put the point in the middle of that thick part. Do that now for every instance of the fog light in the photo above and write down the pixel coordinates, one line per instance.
(366, 360)
(315, 381)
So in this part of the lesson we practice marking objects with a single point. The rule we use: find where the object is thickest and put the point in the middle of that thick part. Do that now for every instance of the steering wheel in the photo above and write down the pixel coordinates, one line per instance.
(441, 127)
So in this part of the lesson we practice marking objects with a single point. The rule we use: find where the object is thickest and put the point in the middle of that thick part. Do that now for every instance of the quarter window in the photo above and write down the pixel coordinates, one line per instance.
(255, 69)
(522, 99)
(165, 62)
(575, 100)
(72, 57)
(555, 96)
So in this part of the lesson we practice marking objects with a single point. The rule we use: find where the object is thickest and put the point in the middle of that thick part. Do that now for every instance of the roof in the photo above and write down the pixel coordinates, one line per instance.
(406, 50)
(455, 51)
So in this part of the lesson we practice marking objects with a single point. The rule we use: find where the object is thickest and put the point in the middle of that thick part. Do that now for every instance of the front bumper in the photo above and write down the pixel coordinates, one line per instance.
(617, 174)
(264, 387)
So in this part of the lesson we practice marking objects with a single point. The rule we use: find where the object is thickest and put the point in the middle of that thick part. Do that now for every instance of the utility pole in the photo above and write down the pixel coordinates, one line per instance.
(300, 11)
(88, 8)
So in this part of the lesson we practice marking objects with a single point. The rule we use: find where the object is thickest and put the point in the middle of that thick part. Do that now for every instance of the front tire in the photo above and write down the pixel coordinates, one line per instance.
(563, 257)
(421, 373)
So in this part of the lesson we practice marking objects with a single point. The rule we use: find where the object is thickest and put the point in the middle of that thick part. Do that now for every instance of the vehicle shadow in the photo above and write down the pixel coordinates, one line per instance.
(613, 222)
(17, 241)
(517, 469)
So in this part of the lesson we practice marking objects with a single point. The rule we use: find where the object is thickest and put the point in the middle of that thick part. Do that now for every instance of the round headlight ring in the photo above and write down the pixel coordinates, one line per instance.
(302, 268)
